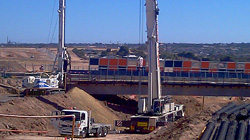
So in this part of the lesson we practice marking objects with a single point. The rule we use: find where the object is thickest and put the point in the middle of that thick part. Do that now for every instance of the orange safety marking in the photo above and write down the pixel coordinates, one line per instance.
(205, 65)
(103, 62)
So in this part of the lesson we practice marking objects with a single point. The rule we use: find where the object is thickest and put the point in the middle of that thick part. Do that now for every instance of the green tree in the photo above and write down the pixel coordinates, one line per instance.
(189, 55)
(123, 51)
(108, 50)
(227, 58)
(167, 55)
(140, 53)
(206, 59)
(79, 52)
(104, 53)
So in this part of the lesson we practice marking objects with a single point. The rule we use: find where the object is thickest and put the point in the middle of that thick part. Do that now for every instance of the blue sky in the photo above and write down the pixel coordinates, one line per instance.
(90, 21)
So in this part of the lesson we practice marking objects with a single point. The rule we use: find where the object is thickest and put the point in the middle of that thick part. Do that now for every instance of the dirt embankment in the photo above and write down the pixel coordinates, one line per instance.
(108, 109)
(44, 105)
(9, 82)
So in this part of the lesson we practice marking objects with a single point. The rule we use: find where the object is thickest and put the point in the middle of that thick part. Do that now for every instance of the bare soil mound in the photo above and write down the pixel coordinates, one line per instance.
(11, 82)
(44, 105)
(83, 101)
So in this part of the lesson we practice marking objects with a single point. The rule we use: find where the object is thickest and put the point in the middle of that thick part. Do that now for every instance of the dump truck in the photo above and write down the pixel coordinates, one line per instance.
(84, 124)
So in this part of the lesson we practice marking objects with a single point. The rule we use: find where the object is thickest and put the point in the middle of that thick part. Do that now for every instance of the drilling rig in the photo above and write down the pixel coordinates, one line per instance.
(47, 83)
(154, 110)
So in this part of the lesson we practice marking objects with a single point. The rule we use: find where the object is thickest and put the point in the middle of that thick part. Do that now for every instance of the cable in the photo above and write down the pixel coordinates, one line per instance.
(142, 22)
(54, 31)
(52, 16)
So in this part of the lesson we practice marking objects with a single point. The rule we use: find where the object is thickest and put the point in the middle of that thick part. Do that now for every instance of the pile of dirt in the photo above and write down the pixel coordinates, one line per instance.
(10, 86)
(3, 90)
(83, 101)
(11, 82)
(44, 105)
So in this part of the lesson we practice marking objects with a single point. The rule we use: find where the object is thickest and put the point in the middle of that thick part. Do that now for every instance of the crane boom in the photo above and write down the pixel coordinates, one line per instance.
(63, 57)
(154, 81)
(61, 38)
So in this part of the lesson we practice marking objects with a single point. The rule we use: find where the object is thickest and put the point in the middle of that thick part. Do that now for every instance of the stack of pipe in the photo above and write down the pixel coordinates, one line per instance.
(208, 131)
(241, 131)
(222, 130)
(231, 132)
(217, 114)
(229, 123)
(231, 111)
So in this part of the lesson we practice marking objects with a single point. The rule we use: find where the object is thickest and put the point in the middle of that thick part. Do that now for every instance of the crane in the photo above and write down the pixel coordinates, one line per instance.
(43, 83)
(154, 110)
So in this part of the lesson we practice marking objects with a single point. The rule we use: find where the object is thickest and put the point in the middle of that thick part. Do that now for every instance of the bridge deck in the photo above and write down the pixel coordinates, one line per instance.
(194, 86)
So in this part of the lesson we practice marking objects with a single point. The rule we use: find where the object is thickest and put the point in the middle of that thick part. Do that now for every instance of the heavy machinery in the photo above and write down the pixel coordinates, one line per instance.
(154, 110)
(84, 124)
(43, 83)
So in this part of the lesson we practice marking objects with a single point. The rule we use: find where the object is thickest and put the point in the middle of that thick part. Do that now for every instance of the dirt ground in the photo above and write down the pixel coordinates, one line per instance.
(44, 105)
(32, 58)
(185, 128)
(106, 109)
(108, 137)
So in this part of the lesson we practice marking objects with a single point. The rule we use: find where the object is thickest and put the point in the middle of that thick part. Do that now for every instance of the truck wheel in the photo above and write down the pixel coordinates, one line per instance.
(98, 132)
(83, 133)
(104, 131)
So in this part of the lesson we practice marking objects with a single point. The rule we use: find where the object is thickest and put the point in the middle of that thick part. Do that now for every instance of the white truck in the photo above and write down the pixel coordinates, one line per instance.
(84, 124)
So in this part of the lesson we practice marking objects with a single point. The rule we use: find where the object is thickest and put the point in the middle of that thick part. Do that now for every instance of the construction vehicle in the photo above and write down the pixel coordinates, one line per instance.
(154, 110)
(44, 83)
(84, 124)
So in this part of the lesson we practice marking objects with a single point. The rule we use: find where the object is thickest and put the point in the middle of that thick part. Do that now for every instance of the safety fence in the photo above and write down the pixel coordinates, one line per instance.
(116, 64)
(135, 76)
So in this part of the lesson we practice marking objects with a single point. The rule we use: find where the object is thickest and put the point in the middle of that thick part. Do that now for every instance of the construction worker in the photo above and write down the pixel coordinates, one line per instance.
(41, 68)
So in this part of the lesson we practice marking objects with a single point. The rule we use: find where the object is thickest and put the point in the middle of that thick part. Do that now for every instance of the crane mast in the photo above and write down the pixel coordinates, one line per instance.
(62, 52)
(154, 83)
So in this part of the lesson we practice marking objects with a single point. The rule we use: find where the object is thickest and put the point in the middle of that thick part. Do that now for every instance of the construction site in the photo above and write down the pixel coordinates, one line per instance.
(52, 93)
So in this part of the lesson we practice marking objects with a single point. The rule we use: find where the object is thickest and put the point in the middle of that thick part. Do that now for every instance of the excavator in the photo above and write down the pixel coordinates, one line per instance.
(154, 110)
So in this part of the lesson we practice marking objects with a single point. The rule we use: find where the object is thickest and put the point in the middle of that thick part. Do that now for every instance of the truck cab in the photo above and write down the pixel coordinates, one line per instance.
(81, 123)
(84, 124)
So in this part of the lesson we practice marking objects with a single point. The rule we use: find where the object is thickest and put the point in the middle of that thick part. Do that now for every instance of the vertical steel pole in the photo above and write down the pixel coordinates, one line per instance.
(73, 127)
(89, 67)
(65, 81)
(139, 83)
(140, 64)
(203, 102)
